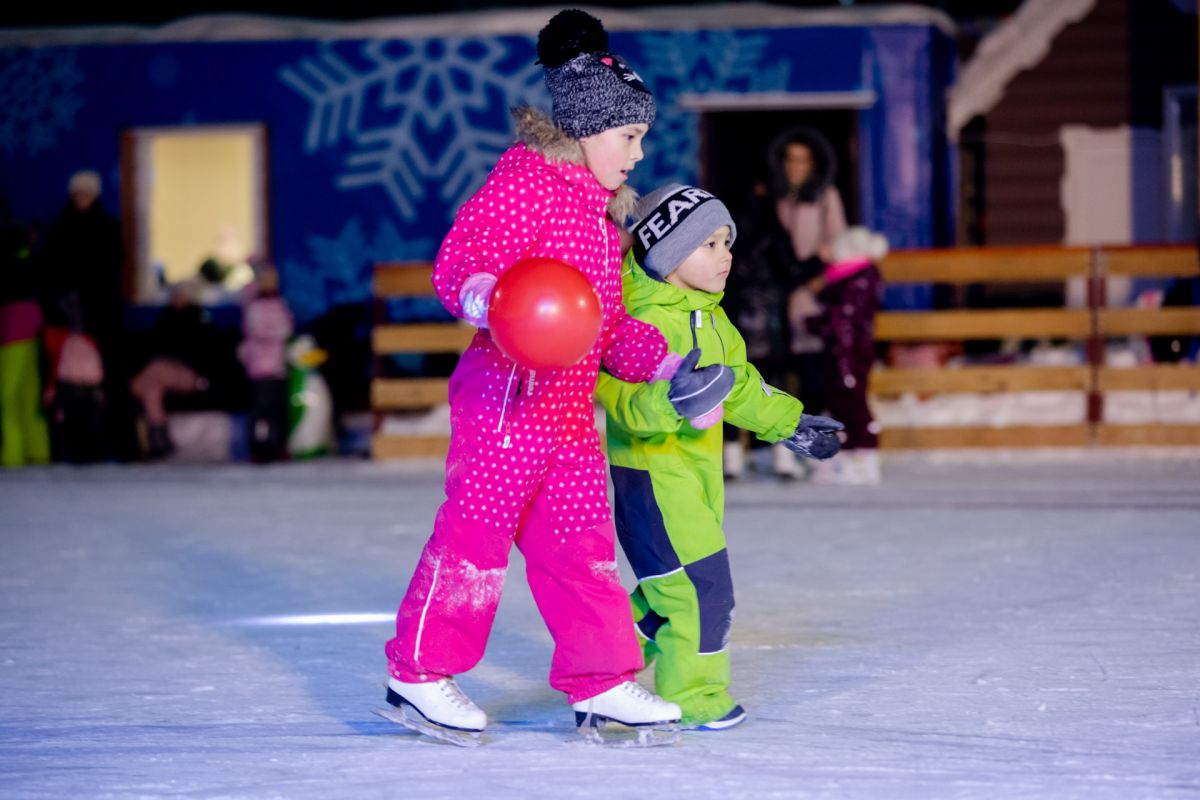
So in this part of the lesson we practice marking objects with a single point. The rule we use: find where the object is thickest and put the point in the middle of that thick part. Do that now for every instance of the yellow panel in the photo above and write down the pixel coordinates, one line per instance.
(890, 381)
(396, 446)
(1156, 377)
(971, 437)
(987, 324)
(986, 264)
(1165, 261)
(1151, 322)
(1147, 435)
(409, 393)
(203, 191)
(395, 280)
(425, 337)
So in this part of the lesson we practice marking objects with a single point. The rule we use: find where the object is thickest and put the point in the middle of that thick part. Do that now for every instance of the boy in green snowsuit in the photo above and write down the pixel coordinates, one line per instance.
(666, 470)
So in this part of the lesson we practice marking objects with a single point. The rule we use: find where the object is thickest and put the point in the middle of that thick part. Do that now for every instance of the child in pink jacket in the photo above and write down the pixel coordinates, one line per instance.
(525, 463)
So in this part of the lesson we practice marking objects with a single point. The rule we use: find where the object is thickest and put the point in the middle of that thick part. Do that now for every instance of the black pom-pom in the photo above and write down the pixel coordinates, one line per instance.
(568, 34)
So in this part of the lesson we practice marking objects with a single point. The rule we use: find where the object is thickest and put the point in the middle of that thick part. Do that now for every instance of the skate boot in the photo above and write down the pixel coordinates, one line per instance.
(654, 720)
(736, 716)
(438, 709)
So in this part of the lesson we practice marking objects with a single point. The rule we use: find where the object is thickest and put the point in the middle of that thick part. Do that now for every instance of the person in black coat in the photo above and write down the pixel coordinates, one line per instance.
(83, 259)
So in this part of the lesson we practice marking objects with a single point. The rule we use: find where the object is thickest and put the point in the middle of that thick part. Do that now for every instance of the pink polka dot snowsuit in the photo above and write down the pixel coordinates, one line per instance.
(525, 463)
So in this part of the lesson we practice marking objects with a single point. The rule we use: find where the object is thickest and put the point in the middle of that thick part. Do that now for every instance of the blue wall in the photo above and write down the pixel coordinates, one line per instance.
(374, 143)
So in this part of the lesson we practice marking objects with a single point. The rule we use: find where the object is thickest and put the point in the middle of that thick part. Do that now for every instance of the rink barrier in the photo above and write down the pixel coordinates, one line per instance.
(415, 396)
(1093, 324)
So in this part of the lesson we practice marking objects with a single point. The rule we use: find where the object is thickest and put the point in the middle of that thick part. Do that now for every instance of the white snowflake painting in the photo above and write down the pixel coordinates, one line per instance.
(339, 269)
(420, 119)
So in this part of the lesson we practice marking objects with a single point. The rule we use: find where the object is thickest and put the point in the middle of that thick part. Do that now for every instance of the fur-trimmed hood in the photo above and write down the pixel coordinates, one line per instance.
(538, 132)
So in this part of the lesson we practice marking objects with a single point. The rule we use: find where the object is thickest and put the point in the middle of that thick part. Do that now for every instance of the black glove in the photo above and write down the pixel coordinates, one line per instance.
(695, 392)
(815, 437)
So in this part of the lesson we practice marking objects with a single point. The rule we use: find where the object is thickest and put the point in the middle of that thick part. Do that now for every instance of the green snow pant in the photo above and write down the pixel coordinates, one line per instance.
(683, 603)
(24, 437)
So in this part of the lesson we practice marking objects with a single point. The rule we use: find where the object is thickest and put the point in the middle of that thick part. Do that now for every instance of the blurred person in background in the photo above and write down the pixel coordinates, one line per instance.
(849, 299)
(786, 233)
(84, 258)
(266, 327)
(24, 436)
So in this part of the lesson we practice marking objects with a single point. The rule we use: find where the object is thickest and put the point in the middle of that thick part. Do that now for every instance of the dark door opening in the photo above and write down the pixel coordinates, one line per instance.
(733, 150)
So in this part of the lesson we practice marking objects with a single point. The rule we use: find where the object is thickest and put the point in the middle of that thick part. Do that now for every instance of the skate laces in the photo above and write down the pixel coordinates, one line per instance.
(638, 691)
(456, 696)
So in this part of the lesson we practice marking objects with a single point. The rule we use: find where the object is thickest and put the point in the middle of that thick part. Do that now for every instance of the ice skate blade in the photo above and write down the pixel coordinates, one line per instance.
(415, 722)
(622, 735)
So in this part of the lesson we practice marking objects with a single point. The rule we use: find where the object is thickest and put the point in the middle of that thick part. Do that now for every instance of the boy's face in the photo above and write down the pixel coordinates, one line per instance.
(612, 154)
(707, 268)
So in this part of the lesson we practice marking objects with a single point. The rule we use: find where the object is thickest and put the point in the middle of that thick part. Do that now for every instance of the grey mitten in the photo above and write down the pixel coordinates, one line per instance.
(815, 437)
(695, 392)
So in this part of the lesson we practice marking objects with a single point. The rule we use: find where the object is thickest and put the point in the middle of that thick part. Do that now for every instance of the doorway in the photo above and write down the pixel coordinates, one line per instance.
(734, 143)
(194, 193)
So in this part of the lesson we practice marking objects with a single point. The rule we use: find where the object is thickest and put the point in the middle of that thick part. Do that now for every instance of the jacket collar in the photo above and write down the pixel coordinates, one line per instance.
(641, 290)
(564, 156)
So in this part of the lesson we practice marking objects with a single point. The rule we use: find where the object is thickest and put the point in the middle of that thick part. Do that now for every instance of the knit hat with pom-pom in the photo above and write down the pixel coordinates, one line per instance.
(592, 89)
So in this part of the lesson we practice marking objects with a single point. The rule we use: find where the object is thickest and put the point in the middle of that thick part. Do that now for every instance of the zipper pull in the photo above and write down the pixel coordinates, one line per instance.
(507, 444)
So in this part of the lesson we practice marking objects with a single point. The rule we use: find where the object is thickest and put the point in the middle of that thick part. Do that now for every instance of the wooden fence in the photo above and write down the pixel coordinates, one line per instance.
(1091, 325)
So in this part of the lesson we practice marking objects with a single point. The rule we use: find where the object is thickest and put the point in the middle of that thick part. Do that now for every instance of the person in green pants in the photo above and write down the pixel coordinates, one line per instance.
(666, 470)
(24, 436)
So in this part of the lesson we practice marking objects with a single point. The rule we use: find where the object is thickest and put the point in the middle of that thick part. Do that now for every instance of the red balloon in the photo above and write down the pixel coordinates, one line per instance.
(544, 314)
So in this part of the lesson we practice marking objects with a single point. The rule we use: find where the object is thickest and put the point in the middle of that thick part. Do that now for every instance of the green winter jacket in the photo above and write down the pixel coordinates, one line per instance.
(643, 430)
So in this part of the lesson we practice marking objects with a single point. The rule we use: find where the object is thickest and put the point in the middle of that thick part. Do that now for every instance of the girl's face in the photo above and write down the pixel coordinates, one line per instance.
(707, 268)
(611, 154)
(797, 164)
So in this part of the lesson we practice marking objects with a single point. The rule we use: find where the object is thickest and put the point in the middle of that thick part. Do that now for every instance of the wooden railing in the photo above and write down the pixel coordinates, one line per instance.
(1091, 325)
(992, 265)
(389, 395)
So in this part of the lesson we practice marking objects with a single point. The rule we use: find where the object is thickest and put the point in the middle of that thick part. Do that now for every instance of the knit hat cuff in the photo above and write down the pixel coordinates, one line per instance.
(670, 229)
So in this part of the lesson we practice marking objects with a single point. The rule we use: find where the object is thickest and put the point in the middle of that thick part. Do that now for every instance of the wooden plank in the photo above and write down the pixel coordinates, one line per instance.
(1155, 377)
(1157, 262)
(424, 337)
(399, 279)
(979, 437)
(385, 446)
(934, 380)
(982, 324)
(1149, 321)
(1148, 435)
(986, 264)
(395, 394)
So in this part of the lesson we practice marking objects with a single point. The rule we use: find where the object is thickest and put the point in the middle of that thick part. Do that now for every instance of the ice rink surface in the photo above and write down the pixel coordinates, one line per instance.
(1000, 625)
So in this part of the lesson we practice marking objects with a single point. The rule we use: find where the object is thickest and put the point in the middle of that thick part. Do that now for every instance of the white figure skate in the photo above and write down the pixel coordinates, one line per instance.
(438, 709)
(655, 720)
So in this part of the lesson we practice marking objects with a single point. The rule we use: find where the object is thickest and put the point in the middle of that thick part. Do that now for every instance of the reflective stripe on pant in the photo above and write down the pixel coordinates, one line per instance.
(555, 508)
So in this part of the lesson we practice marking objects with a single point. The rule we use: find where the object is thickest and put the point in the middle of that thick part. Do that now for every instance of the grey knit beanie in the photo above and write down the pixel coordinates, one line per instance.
(591, 89)
(672, 222)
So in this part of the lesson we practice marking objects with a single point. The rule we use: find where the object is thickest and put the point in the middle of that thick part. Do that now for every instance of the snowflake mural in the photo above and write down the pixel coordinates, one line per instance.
(698, 62)
(340, 270)
(38, 99)
(420, 115)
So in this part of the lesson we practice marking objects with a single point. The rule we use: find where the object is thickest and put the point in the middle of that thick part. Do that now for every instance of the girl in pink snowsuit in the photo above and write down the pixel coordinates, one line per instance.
(525, 463)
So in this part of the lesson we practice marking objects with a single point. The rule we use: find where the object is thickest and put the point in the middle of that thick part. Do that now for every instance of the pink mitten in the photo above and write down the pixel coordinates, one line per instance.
(708, 419)
(667, 367)
(475, 294)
